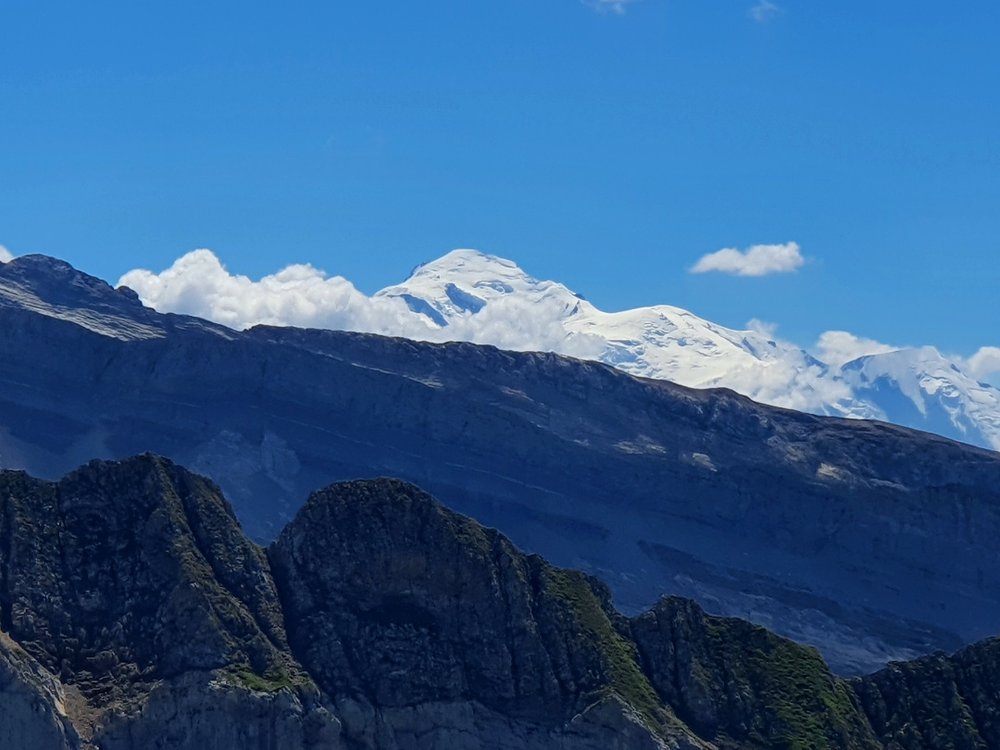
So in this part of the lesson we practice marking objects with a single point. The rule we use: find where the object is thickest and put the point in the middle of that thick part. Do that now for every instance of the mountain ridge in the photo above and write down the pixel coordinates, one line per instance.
(381, 620)
(803, 523)
(467, 295)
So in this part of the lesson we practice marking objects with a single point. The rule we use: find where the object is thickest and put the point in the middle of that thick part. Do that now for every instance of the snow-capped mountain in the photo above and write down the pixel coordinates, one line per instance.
(661, 342)
(917, 387)
(467, 295)
(921, 387)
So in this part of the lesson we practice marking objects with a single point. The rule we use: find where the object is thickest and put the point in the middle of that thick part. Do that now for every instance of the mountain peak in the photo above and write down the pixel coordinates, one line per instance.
(671, 343)
(475, 269)
(53, 279)
(54, 288)
(464, 282)
(467, 257)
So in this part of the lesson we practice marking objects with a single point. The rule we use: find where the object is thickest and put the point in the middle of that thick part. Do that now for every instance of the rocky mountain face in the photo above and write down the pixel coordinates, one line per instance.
(937, 701)
(870, 541)
(129, 597)
(428, 627)
(135, 614)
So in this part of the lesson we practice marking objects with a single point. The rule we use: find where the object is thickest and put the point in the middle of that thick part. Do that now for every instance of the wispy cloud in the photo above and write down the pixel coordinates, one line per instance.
(763, 327)
(763, 11)
(5, 254)
(985, 364)
(618, 7)
(758, 260)
(839, 347)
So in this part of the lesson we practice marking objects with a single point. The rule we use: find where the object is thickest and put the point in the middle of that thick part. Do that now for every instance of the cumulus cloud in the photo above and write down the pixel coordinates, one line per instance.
(758, 260)
(304, 296)
(298, 295)
(764, 11)
(618, 7)
(5, 255)
(985, 364)
(839, 347)
(790, 384)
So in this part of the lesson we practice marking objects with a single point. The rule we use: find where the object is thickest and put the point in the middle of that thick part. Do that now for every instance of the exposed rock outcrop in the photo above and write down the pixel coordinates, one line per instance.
(32, 704)
(740, 685)
(938, 702)
(393, 601)
(135, 615)
(133, 586)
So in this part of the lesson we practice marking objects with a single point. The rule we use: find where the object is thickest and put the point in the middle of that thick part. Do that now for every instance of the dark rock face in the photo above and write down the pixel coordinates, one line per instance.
(869, 541)
(741, 685)
(937, 702)
(415, 604)
(136, 615)
(134, 590)
(107, 543)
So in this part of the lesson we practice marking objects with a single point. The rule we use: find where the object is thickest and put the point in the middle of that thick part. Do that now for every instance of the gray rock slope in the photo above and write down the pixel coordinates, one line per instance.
(872, 542)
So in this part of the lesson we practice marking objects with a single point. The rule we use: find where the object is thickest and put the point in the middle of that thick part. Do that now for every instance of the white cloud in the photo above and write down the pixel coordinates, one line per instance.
(758, 260)
(789, 384)
(298, 295)
(618, 7)
(5, 255)
(763, 327)
(985, 364)
(304, 296)
(839, 347)
(764, 11)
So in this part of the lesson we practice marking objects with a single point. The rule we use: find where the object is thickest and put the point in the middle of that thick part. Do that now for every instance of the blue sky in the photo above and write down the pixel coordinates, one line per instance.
(606, 145)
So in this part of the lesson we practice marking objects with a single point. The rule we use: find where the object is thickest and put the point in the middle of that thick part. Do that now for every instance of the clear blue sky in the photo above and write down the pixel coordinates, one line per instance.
(607, 150)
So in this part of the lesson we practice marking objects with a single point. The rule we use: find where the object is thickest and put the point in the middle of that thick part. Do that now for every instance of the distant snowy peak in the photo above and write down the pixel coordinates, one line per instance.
(920, 387)
(662, 341)
(463, 282)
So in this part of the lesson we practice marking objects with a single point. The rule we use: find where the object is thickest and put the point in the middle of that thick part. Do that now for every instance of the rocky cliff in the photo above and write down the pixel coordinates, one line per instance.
(134, 614)
(937, 702)
(434, 629)
(143, 617)
(869, 541)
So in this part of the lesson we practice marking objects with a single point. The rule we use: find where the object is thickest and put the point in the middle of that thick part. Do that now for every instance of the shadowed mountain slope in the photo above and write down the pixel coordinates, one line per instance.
(137, 615)
(136, 599)
(872, 542)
